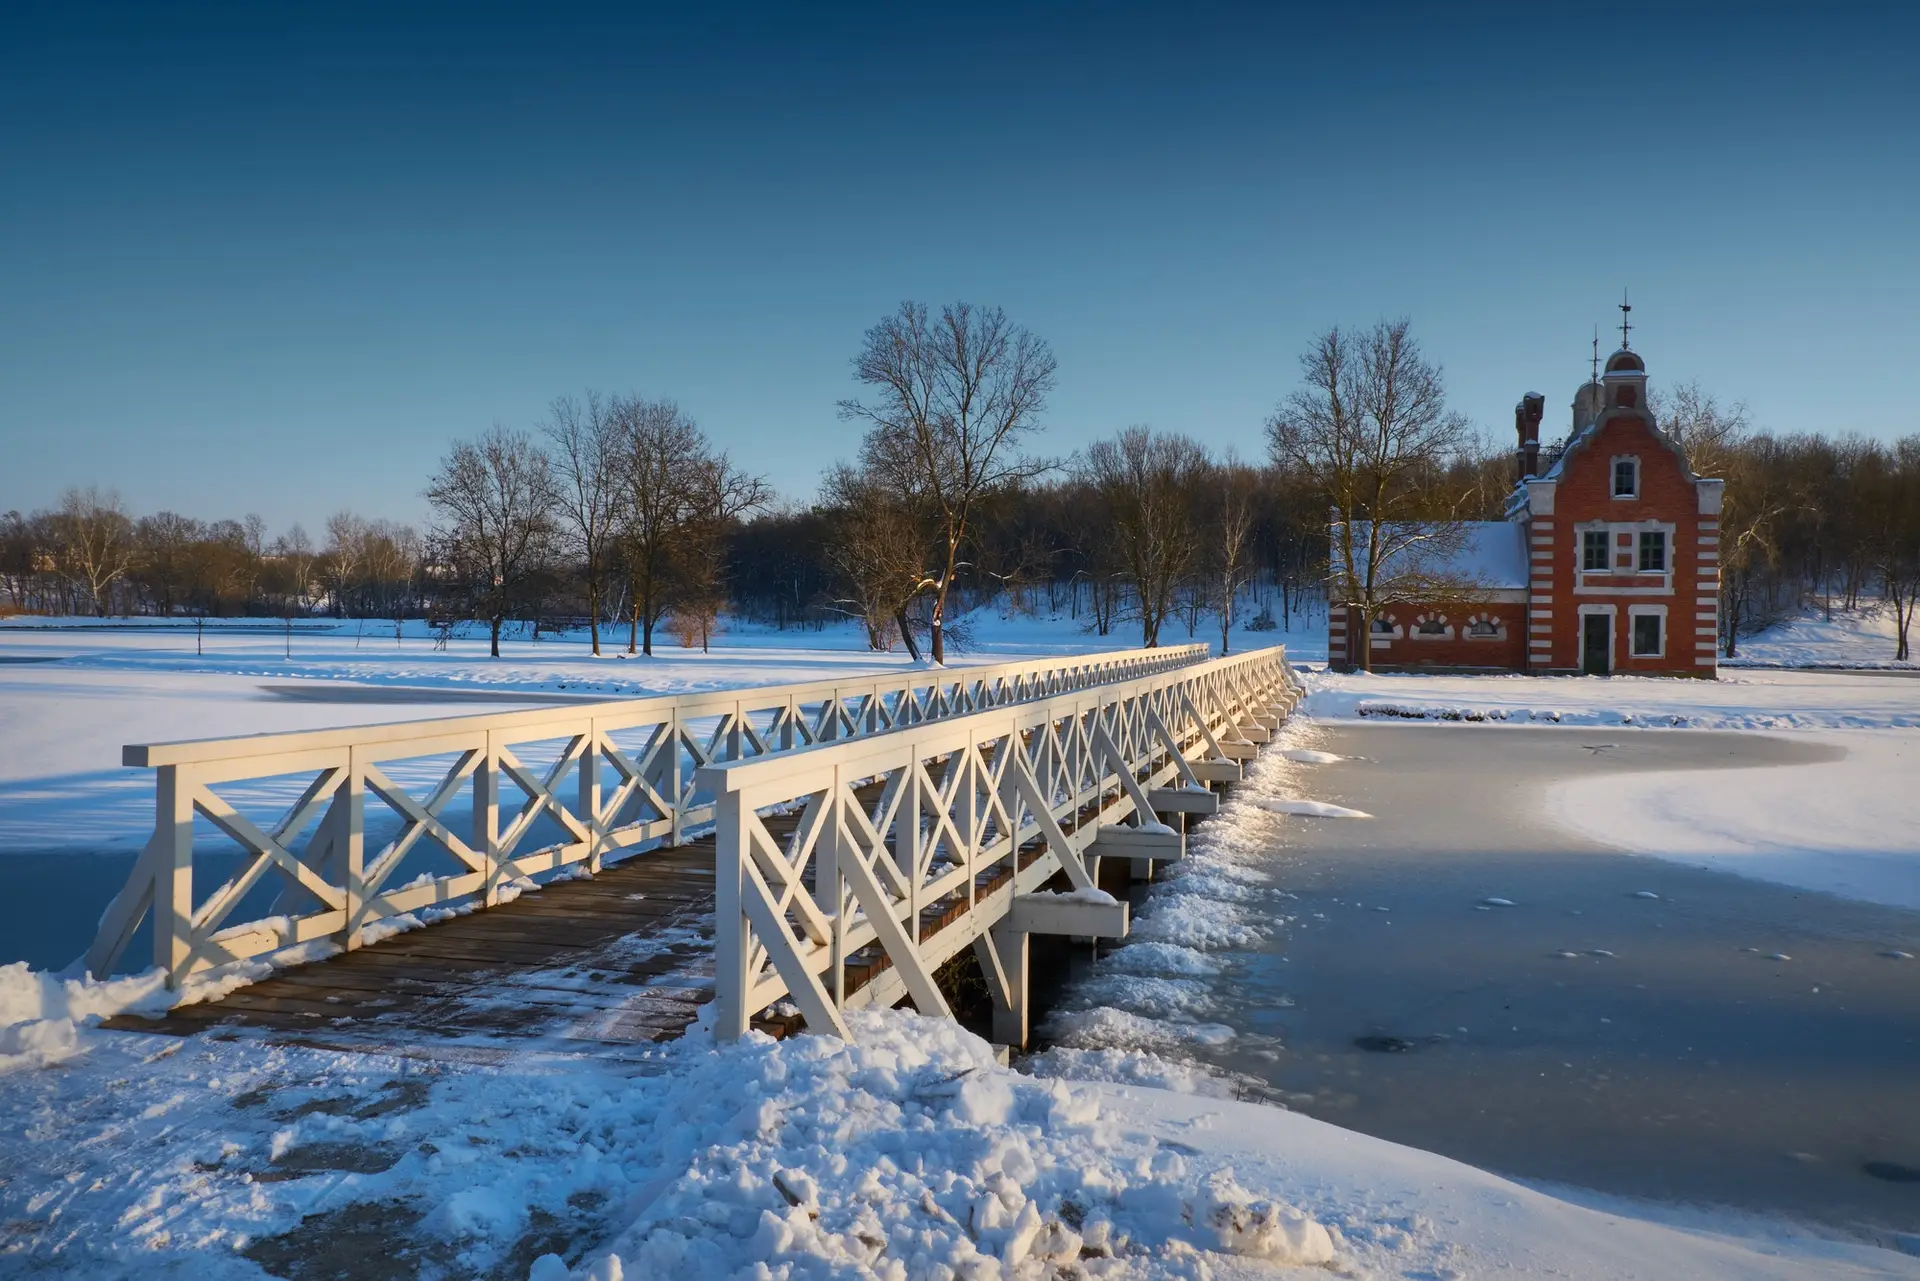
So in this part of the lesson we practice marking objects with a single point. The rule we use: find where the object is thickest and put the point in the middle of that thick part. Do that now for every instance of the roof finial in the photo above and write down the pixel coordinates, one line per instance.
(1596, 354)
(1624, 325)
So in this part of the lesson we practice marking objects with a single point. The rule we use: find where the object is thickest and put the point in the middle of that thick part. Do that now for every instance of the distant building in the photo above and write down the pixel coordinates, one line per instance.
(1608, 561)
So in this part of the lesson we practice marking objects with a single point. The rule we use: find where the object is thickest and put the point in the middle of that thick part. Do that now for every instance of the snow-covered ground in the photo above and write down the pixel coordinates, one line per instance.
(1853, 638)
(910, 1154)
(1740, 699)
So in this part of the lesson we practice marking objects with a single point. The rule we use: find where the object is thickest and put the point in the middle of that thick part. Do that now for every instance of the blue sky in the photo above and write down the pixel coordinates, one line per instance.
(258, 259)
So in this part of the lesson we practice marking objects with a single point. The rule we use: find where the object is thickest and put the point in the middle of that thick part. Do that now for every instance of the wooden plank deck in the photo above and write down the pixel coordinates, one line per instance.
(601, 966)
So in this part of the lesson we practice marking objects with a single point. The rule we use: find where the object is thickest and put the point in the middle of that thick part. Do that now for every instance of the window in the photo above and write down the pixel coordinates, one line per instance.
(1430, 627)
(1626, 397)
(1595, 551)
(1646, 635)
(1484, 628)
(1626, 478)
(1653, 551)
(1382, 627)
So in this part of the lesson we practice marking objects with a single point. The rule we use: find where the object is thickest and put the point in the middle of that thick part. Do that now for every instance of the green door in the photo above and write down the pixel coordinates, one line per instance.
(1596, 644)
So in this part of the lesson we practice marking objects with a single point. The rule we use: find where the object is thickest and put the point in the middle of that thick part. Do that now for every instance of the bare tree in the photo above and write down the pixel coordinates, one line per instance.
(1232, 489)
(720, 494)
(97, 544)
(494, 497)
(1892, 496)
(586, 443)
(1370, 430)
(878, 547)
(1146, 481)
(163, 543)
(661, 454)
(954, 397)
(345, 550)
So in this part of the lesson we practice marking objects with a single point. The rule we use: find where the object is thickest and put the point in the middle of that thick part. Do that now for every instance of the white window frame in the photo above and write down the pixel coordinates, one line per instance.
(1666, 536)
(1499, 628)
(1605, 531)
(1631, 581)
(1444, 634)
(1647, 611)
(1613, 482)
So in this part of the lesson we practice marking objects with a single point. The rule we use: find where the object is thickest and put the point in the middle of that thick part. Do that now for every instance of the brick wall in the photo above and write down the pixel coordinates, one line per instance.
(1667, 496)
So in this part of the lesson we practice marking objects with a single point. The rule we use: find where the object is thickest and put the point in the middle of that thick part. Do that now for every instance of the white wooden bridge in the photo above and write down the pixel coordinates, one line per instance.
(836, 842)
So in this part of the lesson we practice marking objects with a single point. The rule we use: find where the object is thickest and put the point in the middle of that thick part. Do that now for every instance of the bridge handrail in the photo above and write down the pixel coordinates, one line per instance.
(957, 799)
(339, 883)
(1103, 666)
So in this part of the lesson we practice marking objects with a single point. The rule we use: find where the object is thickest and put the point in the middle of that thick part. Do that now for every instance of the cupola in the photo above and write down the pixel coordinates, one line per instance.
(1625, 380)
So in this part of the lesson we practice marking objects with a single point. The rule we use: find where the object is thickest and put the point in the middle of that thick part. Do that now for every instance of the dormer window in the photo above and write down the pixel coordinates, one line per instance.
(1626, 478)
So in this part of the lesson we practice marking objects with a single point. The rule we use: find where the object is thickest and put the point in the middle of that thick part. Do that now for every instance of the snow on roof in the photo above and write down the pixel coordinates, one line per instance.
(1486, 553)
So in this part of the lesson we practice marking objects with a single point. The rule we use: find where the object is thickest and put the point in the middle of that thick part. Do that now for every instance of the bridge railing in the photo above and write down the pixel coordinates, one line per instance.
(465, 807)
(912, 845)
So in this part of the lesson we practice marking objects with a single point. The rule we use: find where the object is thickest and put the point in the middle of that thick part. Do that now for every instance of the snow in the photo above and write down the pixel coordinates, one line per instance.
(1312, 809)
(1848, 827)
(1490, 554)
(1862, 638)
(1086, 894)
(908, 1154)
(1740, 699)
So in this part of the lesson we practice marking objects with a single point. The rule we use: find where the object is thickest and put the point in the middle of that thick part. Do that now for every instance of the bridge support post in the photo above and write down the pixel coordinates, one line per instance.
(1003, 954)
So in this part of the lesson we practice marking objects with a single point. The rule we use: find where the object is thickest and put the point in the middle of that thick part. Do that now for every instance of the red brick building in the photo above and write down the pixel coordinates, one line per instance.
(1608, 561)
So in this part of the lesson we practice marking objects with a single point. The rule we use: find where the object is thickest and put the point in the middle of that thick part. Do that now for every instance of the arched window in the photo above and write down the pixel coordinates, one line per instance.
(1382, 626)
(1434, 625)
(1483, 627)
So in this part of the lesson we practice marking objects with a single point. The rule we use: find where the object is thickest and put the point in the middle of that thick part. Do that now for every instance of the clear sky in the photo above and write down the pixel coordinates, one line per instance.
(260, 259)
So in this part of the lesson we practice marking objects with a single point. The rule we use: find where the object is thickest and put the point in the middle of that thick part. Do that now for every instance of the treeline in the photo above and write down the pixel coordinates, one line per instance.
(617, 515)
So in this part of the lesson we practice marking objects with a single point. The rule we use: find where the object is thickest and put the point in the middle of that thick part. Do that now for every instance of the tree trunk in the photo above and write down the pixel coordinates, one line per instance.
(495, 630)
(646, 635)
(906, 632)
(1365, 661)
(593, 613)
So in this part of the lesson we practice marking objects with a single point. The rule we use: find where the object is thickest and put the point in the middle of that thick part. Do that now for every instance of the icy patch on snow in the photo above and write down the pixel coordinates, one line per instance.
(1309, 756)
(1312, 809)
(1103, 1027)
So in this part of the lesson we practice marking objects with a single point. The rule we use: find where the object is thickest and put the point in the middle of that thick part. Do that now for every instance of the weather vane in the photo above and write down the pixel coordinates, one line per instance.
(1624, 325)
(1596, 354)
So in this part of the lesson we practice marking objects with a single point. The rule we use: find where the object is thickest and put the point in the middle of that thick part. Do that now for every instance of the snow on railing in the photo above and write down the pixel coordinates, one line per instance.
(913, 845)
(466, 808)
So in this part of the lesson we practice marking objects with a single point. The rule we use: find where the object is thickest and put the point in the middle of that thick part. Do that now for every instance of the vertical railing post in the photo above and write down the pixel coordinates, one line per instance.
(830, 886)
(173, 873)
(732, 933)
(907, 842)
(486, 817)
(349, 851)
(676, 780)
(588, 800)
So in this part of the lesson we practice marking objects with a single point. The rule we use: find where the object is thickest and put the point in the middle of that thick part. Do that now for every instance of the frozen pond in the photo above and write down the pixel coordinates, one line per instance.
(1460, 974)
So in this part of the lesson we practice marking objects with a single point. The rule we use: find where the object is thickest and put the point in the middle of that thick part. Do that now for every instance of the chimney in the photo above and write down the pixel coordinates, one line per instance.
(1526, 425)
